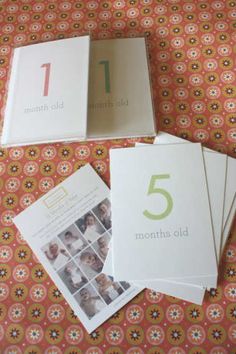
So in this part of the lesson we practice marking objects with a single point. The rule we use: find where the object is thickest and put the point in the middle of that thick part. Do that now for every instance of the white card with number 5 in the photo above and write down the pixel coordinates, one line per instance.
(161, 217)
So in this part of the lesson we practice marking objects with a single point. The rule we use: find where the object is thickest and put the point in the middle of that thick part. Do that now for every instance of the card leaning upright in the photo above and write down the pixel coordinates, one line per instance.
(161, 215)
(120, 100)
(48, 93)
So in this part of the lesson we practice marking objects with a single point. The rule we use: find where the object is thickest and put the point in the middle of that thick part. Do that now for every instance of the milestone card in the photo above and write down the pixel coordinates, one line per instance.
(48, 93)
(120, 100)
(69, 229)
(160, 207)
(215, 164)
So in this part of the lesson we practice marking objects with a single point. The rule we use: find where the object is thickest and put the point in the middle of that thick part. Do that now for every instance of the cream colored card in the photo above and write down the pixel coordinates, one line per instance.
(120, 101)
(48, 93)
(157, 211)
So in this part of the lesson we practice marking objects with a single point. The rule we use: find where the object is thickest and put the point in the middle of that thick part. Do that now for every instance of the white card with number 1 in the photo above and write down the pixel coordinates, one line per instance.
(48, 93)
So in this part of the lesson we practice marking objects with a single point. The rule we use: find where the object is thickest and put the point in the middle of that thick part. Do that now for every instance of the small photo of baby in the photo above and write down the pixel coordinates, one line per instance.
(72, 277)
(56, 253)
(89, 301)
(125, 285)
(73, 240)
(90, 227)
(107, 288)
(103, 212)
(89, 262)
(101, 246)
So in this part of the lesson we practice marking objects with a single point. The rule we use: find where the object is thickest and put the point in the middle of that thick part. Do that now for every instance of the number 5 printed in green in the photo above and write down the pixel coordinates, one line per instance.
(153, 190)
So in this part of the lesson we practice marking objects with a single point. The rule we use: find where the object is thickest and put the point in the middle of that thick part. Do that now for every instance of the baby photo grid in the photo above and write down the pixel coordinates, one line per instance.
(78, 253)
(69, 231)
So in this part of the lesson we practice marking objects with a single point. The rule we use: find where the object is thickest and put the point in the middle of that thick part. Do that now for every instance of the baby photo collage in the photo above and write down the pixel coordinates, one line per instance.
(78, 254)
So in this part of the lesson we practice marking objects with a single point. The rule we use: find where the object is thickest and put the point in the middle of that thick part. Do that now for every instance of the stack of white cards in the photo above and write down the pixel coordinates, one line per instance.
(172, 206)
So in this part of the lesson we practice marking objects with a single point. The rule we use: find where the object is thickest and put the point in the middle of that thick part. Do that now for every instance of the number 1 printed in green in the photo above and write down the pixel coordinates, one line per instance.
(107, 75)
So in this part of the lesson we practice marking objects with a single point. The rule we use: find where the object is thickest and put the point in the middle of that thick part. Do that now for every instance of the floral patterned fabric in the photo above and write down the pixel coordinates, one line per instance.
(192, 47)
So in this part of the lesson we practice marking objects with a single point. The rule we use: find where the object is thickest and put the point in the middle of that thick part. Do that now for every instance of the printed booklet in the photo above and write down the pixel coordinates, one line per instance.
(69, 229)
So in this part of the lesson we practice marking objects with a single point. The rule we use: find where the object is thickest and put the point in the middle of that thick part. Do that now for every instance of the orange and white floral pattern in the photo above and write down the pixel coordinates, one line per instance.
(192, 48)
